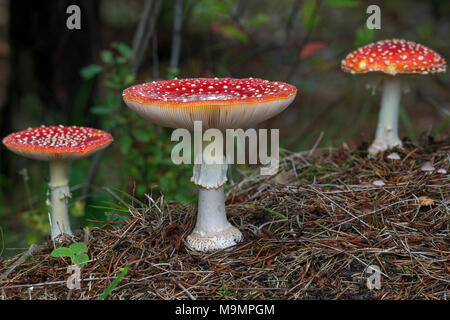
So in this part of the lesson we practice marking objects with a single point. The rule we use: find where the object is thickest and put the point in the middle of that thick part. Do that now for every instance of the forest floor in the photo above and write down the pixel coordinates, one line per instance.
(311, 232)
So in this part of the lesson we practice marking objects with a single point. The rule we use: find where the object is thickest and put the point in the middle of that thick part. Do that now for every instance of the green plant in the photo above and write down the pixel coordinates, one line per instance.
(276, 213)
(406, 121)
(36, 217)
(33, 216)
(405, 269)
(363, 36)
(114, 283)
(116, 212)
(77, 252)
(222, 291)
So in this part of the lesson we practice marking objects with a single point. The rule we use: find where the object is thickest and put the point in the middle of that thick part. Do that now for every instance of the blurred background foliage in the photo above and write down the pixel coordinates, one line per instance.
(52, 75)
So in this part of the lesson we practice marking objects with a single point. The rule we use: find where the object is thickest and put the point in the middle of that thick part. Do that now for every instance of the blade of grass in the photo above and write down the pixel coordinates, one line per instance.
(404, 118)
(129, 196)
(113, 205)
(114, 283)
(276, 213)
(108, 208)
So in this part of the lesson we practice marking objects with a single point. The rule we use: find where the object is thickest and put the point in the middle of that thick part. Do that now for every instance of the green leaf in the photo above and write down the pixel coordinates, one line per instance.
(79, 247)
(231, 31)
(100, 110)
(363, 36)
(80, 259)
(221, 6)
(78, 208)
(260, 18)
(84, 258)
(341, 3)
(309, 14)
(141, 189)
(164, 183)
(90, 71)
(142, 135)
(123, 49)
(112, 85)
(114, 100)
(125, 144)
(129, 78)
(107, 56)
(172, 72)
(62, 252)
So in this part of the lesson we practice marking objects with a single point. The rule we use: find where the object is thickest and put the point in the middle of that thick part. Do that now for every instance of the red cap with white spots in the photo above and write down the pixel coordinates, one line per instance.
(223, 103)
(396, 56)
(57, 142)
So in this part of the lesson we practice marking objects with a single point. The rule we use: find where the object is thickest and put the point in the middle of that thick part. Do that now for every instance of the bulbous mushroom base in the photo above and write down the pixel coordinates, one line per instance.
(379, 146)
(214, 240)
(212, 230)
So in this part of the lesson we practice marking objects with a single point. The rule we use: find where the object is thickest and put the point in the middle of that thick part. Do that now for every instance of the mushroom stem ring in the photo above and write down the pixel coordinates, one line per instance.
(387, 129)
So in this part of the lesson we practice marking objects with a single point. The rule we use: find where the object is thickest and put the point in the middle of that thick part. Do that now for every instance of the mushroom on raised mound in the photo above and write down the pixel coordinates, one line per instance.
(394, 58)
(58, 145)
(221, 103)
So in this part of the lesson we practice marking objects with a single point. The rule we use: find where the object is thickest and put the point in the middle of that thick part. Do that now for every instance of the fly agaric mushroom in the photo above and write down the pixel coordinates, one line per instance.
(221, 103)
(58, 145)
(394, 58)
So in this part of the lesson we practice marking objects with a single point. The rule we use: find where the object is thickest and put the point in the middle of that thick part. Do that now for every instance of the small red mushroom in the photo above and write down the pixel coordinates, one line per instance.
(393, 58)
(58, 145)
(221, 103)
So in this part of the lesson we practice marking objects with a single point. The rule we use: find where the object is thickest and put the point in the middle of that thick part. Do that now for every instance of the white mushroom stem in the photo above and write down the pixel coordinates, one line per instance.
(59, 188)
(212, 230)
(387, 129)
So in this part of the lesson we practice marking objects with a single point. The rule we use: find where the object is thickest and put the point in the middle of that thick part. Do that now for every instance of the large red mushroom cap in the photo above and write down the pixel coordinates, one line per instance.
(223, 103)
(396, 56)
(57, 142)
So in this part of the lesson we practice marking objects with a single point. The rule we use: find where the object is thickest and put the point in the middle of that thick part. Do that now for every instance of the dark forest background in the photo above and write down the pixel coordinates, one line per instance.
(52, 75)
